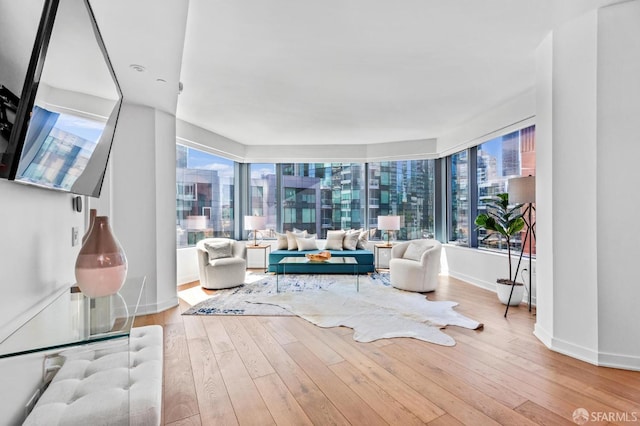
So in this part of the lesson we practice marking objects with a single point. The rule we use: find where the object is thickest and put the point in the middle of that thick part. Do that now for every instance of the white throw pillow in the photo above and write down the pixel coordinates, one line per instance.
(415, 250)
(218, 250)
(363, 239)
(372, 233)
(283, 242)
(350, 240)
(292, 244)
(308, 243)
(334, 240)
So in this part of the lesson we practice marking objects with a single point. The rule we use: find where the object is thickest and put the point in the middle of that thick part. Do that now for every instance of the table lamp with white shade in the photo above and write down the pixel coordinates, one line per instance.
(389, 224)
(253, 224)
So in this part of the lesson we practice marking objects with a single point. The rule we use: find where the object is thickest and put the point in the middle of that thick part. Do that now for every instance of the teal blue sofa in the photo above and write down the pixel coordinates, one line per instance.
(364, 258)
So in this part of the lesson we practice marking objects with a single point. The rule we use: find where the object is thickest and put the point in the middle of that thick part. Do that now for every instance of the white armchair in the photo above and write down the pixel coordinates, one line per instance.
(415, 265)
(222, 262)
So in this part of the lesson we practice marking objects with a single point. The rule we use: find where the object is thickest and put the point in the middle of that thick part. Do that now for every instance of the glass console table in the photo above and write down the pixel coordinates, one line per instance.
(69, 324)
(73, 319)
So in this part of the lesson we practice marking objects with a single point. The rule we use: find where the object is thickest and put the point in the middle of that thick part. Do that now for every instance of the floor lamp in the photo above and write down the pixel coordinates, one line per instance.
(522, 190)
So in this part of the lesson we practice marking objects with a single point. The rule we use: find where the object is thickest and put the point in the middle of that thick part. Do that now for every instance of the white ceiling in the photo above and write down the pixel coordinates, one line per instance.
(302, 72)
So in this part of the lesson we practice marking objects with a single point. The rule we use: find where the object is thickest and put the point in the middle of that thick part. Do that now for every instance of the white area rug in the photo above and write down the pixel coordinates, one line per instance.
(377, 311)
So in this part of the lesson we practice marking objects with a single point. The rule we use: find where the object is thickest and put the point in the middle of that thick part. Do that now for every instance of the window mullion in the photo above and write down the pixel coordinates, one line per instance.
(473, 195)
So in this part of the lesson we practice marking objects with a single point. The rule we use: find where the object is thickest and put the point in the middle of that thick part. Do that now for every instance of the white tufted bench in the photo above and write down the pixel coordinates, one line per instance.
(109, 383)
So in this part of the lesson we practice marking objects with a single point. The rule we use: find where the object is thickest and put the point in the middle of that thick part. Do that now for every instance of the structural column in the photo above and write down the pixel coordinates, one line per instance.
(588, 92)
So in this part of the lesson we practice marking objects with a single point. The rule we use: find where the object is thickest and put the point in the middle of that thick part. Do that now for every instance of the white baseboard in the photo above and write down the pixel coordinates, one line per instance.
(154, 308)
(186, 279)
(619, 361)
(600, 359)
(482, 284)
(473, 280)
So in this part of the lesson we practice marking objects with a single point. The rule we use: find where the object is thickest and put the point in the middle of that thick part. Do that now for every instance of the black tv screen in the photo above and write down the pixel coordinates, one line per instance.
(63, 127)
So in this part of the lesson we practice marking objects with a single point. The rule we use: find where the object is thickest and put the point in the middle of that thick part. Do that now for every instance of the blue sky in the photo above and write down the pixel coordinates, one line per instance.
(203, 160)
(86, 129)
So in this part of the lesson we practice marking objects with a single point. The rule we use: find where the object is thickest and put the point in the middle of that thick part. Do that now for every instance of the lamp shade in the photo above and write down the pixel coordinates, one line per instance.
(254, 222)
(196, 222)
(389, 223)
(522, 190)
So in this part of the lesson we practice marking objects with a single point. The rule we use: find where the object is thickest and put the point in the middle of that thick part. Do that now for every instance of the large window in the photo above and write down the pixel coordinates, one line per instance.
(405, 189)
(500, 159)
(204, 196)
(459, 190)
(318, 197)
(263, 196)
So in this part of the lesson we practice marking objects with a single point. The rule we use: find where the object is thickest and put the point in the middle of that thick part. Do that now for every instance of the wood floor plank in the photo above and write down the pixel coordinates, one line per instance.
(456, 386)
(319, 348)
(279, 333)
(422, 407)
(596, 382)
(180, 400)
(619, 396)
(528, 372)
(542, 416)
(446, 420)
(193, 326)
(392, 411)
(255, 363)
(282, 404)
(436, 394)
(220, 340)
(189, 421)
(545, 394)
(314, 403)
(348, 402)
(213, 400)
(247, 402)
(440, 356)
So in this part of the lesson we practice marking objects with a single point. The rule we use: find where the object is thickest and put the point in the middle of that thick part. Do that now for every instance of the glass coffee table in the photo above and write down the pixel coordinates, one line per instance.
(281, 266)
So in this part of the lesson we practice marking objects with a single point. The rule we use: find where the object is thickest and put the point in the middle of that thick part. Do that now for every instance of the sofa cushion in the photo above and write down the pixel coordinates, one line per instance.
(307, 243)
(283, 241)
(218, 250)
(291, 239)
(350, 240)
(363, 239)
(415, 250)
(334, 240)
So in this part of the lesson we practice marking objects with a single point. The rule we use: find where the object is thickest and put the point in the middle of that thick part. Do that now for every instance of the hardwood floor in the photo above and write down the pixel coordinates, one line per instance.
(227, 370)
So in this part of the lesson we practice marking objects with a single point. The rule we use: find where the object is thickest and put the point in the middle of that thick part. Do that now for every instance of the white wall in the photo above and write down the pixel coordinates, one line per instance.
(589, 102)
(483, 267)
(196, 137)
(36, 256)
(617, 192)
(574, 180)
(513, 114)
(142, 187)
(544, 194)
(36, 261)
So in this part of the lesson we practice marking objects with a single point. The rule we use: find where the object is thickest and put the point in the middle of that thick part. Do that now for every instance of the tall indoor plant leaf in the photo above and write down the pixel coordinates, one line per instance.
(502, 222)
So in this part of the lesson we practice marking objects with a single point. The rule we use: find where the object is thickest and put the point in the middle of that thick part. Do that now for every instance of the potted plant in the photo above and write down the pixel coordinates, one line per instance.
(503, 222)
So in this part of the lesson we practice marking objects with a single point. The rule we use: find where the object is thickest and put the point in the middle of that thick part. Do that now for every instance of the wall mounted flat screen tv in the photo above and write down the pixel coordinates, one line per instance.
(59, 97)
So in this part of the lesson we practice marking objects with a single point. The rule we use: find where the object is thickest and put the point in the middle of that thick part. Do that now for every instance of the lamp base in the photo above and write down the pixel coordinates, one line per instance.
(254, 238)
